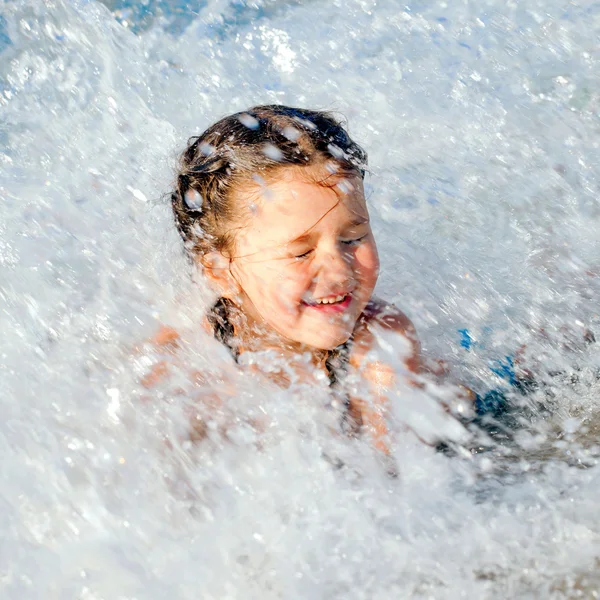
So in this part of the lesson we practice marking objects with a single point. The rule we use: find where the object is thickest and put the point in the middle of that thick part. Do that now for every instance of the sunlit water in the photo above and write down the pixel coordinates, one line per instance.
(482, 122)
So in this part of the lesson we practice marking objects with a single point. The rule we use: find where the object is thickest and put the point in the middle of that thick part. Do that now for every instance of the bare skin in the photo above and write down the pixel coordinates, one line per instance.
(301, 274)
(370, 416)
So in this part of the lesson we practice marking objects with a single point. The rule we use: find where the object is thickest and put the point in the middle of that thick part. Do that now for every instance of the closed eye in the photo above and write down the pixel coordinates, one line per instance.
(355, 241)
(303, 255)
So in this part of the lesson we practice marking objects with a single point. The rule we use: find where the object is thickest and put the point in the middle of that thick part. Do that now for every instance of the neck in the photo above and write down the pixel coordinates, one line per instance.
(253, 336)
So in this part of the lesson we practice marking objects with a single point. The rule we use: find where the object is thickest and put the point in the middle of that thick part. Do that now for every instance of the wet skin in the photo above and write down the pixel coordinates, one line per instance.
(306, 262)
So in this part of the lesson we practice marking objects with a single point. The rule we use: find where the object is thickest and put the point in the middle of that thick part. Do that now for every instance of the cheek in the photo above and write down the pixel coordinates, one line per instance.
(291, 287)
(367, 263)
(274, 289)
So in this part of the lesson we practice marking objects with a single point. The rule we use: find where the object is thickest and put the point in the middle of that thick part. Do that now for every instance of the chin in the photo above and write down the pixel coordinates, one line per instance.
(330, 342)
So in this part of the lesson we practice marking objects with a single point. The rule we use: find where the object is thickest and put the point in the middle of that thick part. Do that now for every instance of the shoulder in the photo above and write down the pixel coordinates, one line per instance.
(378, 317)
(386, 316)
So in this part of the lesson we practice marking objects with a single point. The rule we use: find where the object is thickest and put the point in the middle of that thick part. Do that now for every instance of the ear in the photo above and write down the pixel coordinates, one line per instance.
(215, 267)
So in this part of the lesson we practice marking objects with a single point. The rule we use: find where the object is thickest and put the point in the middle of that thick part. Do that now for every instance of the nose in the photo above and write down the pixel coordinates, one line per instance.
(336, 269)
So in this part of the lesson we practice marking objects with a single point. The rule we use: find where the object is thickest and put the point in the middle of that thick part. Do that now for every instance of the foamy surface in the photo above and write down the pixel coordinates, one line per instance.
(481, 120)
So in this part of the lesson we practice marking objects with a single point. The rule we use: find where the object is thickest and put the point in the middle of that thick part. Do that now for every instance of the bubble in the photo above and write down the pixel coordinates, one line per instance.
(291, 133)
(272, 152)
(259, 180)
(137, 194)
(345, 186)
(206, 148)
(305, 123)
(336, 151)
(249, 121)
(193, 200)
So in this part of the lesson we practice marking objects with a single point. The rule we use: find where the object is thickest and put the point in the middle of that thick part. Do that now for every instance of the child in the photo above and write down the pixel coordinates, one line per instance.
(270, 205)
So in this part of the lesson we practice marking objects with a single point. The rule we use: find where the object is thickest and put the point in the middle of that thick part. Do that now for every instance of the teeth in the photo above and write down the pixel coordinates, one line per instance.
(331, 300)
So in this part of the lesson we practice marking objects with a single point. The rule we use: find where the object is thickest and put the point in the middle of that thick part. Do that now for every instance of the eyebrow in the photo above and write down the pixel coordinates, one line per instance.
(358, 220)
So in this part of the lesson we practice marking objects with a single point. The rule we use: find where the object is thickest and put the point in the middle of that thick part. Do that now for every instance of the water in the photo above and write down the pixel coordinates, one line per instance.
(481, 120)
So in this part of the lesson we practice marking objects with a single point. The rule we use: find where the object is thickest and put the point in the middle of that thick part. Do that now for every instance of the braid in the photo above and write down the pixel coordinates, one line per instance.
(336, 363)
(218, 317)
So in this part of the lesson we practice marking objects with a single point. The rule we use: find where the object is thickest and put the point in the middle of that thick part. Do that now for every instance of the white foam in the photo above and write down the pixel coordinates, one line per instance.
(481, 126)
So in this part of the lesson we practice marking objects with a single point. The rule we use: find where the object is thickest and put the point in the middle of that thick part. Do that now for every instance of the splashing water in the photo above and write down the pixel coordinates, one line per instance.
(481, 120)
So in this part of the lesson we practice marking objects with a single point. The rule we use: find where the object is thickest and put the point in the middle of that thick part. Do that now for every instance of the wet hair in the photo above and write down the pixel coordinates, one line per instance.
(239, 152)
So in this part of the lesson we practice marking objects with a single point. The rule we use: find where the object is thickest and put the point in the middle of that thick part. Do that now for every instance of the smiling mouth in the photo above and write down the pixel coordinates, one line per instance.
(330, 300)
(339, 302)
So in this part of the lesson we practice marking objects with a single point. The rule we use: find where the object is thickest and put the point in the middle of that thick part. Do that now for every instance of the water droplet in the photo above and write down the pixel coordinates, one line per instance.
(273, 152)
(248, 121)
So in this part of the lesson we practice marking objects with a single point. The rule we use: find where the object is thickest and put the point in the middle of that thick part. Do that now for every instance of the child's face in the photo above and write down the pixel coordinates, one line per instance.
(306, 261)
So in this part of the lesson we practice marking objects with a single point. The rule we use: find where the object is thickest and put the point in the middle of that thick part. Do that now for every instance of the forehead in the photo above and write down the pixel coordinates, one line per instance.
(290, 206)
